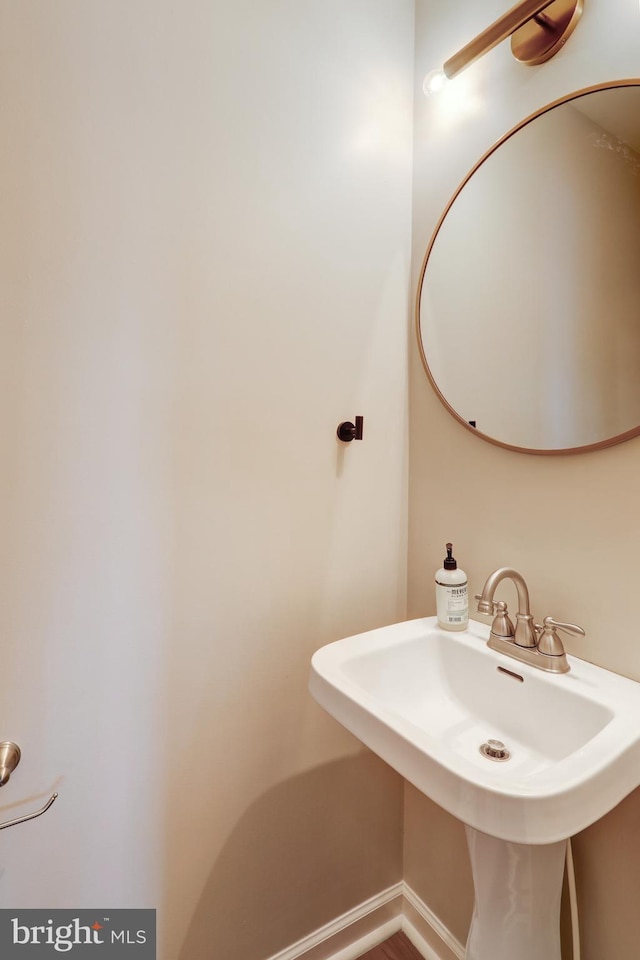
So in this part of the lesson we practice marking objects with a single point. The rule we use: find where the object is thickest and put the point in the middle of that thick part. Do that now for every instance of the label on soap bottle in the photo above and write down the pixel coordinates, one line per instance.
(452, 605)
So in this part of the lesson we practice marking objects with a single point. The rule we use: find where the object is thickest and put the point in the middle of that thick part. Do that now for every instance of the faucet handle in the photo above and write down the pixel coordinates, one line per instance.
(569, 627)
(502, 625)
(550, 643)
(487, 607)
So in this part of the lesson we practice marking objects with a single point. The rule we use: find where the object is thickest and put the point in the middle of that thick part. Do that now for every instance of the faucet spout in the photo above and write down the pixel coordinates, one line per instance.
(525, 635)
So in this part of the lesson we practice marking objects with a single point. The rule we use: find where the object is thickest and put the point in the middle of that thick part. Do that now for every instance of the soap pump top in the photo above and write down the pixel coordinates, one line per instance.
(450, 562)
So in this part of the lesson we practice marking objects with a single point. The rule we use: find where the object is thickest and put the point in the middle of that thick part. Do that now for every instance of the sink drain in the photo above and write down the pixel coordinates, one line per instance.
(494, 750)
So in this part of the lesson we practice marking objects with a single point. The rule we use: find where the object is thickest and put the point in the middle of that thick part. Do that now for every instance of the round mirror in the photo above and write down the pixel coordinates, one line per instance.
(529, 297)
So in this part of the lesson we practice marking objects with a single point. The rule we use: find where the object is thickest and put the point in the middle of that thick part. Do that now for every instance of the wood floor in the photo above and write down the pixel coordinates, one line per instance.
(398, 947)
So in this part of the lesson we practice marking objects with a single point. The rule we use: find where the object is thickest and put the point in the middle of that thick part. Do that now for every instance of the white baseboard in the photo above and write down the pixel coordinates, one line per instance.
(352, 934)
(397, 908)
(426, 931)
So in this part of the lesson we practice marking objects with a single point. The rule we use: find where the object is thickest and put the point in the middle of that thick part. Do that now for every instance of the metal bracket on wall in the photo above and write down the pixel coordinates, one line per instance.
(348, 431)
(9, 760)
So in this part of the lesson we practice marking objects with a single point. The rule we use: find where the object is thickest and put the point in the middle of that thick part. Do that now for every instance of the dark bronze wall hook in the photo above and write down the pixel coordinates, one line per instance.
(348, 431)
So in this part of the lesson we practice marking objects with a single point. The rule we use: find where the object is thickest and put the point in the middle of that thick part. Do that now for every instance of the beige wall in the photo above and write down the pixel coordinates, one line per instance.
(571, 525)
(205, 267)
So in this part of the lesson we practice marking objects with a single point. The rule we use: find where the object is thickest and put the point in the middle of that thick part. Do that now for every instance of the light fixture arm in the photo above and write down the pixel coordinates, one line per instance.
(504, 27)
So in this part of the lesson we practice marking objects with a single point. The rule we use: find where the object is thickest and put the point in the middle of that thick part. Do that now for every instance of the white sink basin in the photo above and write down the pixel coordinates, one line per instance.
(425, 700)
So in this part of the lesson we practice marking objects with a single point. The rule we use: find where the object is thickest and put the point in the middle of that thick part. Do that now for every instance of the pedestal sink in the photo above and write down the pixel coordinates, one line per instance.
(429, 701)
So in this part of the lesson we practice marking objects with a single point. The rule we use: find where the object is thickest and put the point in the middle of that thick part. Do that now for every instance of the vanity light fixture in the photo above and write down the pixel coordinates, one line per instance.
(538, 30)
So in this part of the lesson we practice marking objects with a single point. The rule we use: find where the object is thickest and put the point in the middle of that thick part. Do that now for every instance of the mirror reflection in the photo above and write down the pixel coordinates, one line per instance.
(529, 307)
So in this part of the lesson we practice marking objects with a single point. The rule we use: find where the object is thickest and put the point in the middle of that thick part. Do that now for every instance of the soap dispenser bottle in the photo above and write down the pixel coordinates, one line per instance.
(452, 600)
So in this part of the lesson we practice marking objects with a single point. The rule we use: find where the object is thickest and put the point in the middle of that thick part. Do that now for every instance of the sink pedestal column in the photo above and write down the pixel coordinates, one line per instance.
(517, 908)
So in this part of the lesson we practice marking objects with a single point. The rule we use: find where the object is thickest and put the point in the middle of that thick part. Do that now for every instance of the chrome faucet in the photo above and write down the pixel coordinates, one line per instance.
(523, 643)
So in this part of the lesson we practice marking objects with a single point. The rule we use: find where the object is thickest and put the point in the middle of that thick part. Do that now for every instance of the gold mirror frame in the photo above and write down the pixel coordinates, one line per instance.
(598, 445)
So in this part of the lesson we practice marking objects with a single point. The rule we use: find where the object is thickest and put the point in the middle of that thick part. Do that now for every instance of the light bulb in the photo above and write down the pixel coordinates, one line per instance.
(434, 82)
